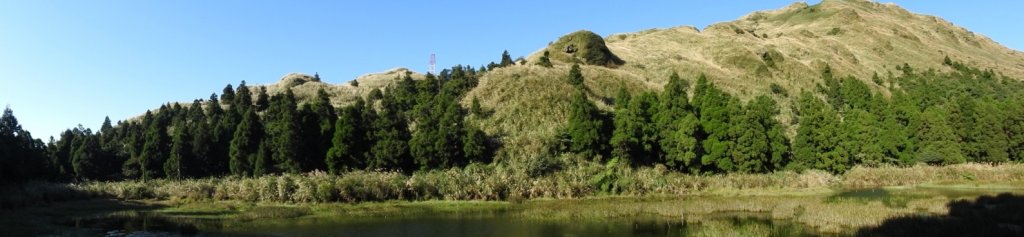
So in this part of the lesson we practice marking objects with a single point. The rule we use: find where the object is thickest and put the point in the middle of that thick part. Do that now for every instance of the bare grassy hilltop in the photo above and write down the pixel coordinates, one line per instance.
(788, 47)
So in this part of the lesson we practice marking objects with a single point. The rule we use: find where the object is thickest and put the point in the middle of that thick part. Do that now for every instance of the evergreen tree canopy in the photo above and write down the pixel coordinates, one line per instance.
(246, 144)
(585, 126)
(506, 59)
(576, 76)
(285, 133)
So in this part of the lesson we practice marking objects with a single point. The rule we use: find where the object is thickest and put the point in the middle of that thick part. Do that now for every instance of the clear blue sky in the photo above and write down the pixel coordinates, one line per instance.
(64, 63)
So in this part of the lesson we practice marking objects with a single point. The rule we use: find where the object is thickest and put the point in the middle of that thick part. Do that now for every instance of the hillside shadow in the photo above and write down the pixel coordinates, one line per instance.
(1001, 215)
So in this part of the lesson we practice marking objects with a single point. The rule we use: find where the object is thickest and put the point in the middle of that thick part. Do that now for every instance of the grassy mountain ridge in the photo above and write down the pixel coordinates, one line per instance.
(788, 47)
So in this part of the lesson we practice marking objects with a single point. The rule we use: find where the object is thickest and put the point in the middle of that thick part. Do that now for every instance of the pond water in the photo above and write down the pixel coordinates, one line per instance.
(151, 222)
(147, 223)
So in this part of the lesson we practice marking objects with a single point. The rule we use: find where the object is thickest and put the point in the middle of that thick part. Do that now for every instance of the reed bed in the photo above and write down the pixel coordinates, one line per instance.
(496, 182)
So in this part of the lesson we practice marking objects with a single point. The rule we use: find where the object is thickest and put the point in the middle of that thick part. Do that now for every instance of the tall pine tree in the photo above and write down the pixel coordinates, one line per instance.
(348, 141)
(245, 145)
(585, 125)
(284, 130)
(390, 133)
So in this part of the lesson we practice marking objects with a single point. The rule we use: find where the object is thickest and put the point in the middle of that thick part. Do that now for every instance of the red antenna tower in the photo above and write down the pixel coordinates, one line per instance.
(433, 64)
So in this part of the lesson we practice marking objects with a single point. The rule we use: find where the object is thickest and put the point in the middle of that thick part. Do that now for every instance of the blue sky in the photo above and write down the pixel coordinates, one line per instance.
(64, 63)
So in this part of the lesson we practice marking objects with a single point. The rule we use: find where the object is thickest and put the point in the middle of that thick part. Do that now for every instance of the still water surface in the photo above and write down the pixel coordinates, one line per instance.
(145, 223)
(483, 223)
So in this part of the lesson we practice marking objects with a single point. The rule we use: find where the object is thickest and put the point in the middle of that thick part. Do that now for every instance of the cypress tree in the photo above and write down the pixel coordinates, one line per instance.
(262, 163)
(935, 139)
(585, 126)
(506, 59)
(623, 141)
(576, 76)
(817, 139)
(262, 100)
(228, 94)
(318, 118)
(751, 148)
(1014, 125)
(715, 109)
(451, 132)
(760, 145)
(246, 144)
(677, 125)
(635, 136)
(154, 149)
(223, 124)
(390, 149)
(106, 127)
(284, 129)
(134, 141)
(859, 135)
(855, 93)
(992, 143)
(60, 156)
(86, 155)
(474, 145)
(348, 138)
(176, 166)
(21, 157)
(201, 145)
(780, 144)
(682, 149)
(422, 144)
(243, 99)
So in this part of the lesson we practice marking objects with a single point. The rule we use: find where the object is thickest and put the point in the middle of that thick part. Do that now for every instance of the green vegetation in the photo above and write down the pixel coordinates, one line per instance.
(417, 126)
(544, 60)
(583, 47)
(482, 182)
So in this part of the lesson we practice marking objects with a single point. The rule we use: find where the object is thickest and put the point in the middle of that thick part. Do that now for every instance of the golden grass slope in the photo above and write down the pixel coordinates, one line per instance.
(853, 37)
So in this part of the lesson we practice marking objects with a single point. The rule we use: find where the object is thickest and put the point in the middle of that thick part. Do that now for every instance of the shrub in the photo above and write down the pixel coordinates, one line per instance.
(834, 31)
(586, 47)
(778, 90)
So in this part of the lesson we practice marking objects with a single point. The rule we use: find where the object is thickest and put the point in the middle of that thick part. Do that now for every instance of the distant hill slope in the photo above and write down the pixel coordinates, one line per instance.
(305, 87)
(854, 37)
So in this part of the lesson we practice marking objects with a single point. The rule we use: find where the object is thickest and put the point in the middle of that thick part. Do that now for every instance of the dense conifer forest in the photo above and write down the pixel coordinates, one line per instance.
(691, 126)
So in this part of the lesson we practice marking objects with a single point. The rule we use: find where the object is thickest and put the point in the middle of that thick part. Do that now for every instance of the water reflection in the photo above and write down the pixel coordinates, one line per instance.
(146, 223)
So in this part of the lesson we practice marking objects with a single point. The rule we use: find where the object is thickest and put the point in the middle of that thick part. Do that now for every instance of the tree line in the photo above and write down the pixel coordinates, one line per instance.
(930, 117)
(964, 115)
(411, 125)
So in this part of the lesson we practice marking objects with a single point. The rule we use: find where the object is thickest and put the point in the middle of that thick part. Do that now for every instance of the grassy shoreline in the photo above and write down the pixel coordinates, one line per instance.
(496, 183)
(489, 183)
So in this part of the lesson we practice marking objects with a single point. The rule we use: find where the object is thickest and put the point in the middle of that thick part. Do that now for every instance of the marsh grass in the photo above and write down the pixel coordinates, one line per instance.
(498, 182)
(261, 212)
(38, 192)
